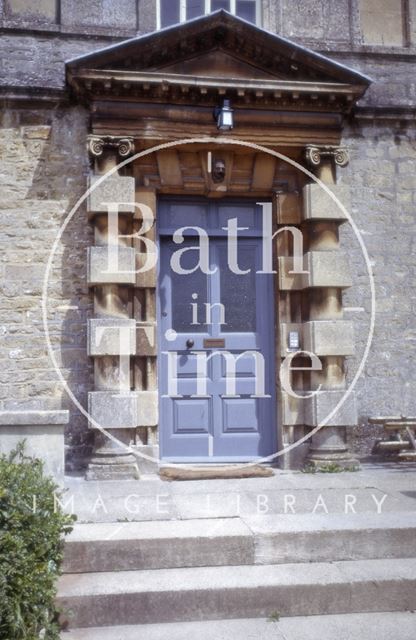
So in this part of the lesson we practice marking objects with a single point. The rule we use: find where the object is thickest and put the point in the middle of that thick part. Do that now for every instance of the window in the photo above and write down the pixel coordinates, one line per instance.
(383, 23)
(173, 11)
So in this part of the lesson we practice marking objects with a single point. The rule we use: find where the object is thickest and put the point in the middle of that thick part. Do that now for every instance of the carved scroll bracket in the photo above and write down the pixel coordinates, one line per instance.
(314, 155)
(96, 145)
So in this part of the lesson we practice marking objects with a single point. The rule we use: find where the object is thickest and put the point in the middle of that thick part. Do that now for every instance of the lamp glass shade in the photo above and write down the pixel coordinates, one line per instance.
(225, 117)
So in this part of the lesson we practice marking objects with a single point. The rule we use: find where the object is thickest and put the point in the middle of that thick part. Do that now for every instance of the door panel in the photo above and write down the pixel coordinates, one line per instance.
(211, 408)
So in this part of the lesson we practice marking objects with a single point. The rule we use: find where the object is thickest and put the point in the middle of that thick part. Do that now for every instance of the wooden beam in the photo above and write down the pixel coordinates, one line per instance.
(263, 172)
(169, 168)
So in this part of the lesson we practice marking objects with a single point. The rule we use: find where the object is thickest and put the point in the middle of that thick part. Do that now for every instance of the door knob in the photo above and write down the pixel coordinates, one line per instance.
(190, 343)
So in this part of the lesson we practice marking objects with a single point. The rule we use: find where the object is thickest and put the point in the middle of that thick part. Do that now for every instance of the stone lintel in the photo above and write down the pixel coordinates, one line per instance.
(98, 269)
(111, 337)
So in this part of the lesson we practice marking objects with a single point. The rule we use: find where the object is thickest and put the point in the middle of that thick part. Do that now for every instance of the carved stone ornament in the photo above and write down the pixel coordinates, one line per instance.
(97, 144)
(314, 155)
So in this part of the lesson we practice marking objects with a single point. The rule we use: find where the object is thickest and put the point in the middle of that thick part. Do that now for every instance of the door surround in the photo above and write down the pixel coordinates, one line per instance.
(140, 93)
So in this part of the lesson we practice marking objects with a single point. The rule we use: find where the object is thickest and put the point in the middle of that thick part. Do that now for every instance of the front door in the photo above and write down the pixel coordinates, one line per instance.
(216, 320)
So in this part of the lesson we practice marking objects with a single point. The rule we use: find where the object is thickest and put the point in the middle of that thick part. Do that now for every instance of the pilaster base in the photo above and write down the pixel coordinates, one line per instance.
(329, 447)
(119, 468)
(111, 460)
(342, 459)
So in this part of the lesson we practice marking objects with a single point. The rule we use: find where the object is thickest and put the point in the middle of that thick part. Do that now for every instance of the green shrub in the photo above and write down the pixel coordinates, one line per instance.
(31, 548)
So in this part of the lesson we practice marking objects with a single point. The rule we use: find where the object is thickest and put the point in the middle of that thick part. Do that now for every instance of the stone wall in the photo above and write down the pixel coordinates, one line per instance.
(43, 174)
(382, 175)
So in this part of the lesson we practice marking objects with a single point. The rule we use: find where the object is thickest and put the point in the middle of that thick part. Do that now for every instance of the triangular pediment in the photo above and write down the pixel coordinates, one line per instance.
(219, 31)
(215, 52)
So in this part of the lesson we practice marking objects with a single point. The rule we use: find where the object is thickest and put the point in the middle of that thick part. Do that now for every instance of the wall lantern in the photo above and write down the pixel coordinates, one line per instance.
(224, 116)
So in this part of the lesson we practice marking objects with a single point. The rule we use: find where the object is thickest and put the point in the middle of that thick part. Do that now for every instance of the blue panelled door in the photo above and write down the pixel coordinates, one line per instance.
(216, 364)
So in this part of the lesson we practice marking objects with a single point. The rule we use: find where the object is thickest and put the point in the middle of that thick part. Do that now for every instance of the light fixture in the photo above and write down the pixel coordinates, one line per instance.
(224, 116)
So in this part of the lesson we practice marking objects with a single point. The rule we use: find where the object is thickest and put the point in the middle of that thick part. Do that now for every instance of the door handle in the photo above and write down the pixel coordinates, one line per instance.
(190, 343)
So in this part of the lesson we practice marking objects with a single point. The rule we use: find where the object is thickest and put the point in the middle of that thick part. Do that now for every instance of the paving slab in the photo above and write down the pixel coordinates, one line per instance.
(153, 499)
(366, 626)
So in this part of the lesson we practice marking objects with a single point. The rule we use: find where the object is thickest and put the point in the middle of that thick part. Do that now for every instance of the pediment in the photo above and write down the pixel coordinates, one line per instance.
(215, 53)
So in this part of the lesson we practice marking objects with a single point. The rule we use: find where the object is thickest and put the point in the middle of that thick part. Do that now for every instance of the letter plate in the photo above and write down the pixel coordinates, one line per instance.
(214, 343)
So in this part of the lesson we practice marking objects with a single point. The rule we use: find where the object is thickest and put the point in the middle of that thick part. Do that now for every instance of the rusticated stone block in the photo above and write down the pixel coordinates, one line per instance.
(113, 409)
(318, 204)
(321, 269)
(114, 189)
(329, 337)
(147, 408)
(323, 403)
(145, 279)
(288, 209)
(326, 269)
(146, 338)
(111, 337)
(100, 264)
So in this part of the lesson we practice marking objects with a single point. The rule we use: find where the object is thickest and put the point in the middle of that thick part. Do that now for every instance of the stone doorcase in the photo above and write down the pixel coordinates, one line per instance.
(163, 87)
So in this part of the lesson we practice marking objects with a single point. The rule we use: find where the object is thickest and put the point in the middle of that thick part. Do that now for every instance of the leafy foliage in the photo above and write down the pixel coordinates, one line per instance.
(32, 527)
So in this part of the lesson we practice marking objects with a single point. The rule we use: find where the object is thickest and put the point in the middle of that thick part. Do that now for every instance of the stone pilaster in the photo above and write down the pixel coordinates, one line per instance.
(326, 333)
(112, 333)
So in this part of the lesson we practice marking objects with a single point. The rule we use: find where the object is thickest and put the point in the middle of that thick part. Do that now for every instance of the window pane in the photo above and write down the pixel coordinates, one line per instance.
(220, 4)
(247, 9)
(183, 286)
(238, 291)
(169, 12)
(195, 8)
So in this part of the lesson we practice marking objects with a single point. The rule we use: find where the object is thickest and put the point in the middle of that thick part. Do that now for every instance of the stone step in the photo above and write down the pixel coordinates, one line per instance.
(174, 595)
(158, 545)
(233, 541)
(333, 537)
(369, 626)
